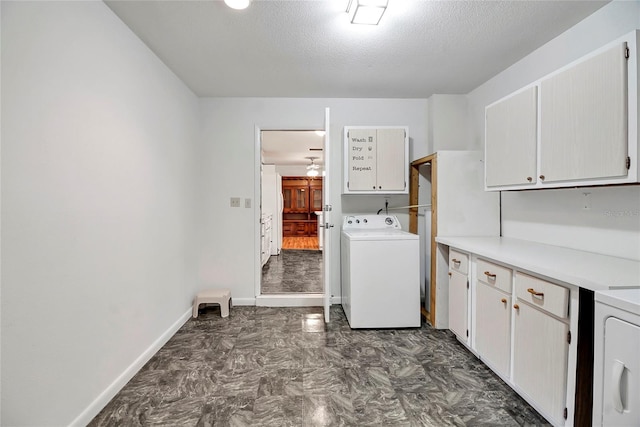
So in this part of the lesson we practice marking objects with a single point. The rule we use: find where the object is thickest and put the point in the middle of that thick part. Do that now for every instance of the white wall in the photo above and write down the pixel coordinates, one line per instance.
(448, 118)
(612, 225)
(229, 252)
(291, 170)
(0, 230)
(98, 207)
(447, 129)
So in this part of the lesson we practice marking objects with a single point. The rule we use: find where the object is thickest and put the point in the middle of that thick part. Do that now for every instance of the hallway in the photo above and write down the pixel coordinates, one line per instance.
(293, 271)
(300, 243)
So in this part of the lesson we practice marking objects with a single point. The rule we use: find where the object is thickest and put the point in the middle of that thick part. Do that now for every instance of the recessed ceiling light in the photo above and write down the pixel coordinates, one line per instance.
(237, 4)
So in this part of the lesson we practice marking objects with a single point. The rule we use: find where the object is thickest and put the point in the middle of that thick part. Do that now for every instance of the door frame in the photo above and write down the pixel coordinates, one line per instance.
(414, 200)
(273, 300)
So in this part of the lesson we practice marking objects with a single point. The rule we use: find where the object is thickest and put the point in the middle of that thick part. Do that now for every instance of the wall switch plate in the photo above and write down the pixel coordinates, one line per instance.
(586, 201)
(247, 203)
(235, 202)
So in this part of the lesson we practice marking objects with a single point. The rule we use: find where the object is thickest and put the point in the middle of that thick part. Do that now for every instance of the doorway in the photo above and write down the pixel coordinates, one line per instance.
(291, 212)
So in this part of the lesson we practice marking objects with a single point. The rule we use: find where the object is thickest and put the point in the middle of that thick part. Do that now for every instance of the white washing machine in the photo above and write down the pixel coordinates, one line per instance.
(616, 379)
(380, 273)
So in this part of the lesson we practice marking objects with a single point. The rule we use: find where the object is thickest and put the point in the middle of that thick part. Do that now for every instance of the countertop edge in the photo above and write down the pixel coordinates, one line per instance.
(538, 258)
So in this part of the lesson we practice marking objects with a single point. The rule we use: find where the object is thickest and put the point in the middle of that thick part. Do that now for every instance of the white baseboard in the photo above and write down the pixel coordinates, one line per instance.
(290, 300)
(105, 397)
(243, 301)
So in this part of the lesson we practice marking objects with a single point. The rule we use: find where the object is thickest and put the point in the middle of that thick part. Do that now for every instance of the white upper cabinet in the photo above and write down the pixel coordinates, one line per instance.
(583, 119)
(376, 160)
(575, 127)
(511, 135)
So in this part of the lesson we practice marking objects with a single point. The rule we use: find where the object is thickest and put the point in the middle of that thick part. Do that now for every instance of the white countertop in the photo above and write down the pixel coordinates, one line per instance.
(584, 269)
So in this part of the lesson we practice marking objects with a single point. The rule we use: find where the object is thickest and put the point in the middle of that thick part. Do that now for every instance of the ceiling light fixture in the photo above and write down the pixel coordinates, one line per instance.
(312, 169)
(367, 12)
(237, 4)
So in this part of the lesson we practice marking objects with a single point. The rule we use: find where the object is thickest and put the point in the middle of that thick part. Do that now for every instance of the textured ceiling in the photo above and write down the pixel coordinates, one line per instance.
(309, 49)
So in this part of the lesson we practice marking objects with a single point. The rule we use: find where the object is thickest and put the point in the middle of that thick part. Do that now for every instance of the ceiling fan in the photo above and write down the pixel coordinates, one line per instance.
(312, 168)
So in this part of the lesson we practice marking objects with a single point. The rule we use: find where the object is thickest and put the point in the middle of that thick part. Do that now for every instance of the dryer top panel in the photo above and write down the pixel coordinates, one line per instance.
(624, 299)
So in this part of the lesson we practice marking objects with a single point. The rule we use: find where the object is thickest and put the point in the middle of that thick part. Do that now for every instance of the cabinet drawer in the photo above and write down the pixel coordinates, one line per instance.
(458, 261)
(494, 275)
(542, 294)
(300, 229)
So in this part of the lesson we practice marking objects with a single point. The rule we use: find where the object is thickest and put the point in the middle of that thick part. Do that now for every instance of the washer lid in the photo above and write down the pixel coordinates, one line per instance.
(379, 234)
(624, 299)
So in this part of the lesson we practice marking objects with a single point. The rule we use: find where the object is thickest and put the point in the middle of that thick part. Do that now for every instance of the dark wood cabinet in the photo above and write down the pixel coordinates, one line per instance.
(302, 197)
(315, 199)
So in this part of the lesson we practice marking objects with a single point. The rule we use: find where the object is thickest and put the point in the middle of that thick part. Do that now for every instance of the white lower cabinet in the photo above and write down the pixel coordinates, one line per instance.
(520, 328)
(459, 294)
(542, 345)
(540, 358)
(458, 310)
(265, 239)
(493, 327)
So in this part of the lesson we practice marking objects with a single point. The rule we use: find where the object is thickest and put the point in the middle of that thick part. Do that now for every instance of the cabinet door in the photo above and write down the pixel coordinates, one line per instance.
(300, 199)
(288, 229)
(584, 120)
(361, 159)
(391, 162)
(299, 229)
(540, 359)
(263, 243)
(312, 228)
(316, 199)
(287, 199)
(493, 327)
(458, 304)
(511, 140)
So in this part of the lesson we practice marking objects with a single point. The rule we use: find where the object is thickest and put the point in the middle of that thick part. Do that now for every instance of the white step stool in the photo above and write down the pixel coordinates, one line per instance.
(213, 296)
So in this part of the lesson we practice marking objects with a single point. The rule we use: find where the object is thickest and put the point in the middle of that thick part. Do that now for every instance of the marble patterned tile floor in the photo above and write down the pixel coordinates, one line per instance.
(285, 367)
(293, 271)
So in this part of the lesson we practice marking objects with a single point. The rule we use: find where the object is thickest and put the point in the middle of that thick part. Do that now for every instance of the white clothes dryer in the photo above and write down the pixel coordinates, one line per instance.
(380, 273)
(616, 379)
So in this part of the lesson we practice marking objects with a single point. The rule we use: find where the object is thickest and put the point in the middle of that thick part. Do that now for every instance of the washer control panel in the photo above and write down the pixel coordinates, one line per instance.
(371, 222)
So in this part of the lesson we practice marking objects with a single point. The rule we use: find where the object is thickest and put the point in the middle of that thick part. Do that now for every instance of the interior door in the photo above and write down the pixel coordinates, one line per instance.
(328, 225)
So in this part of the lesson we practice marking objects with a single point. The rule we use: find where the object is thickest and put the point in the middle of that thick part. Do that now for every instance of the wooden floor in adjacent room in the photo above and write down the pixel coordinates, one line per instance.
(310, 243)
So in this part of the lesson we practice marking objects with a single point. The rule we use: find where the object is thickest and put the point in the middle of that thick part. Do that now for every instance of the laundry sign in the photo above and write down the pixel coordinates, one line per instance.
(361, 148)
(375, 159)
